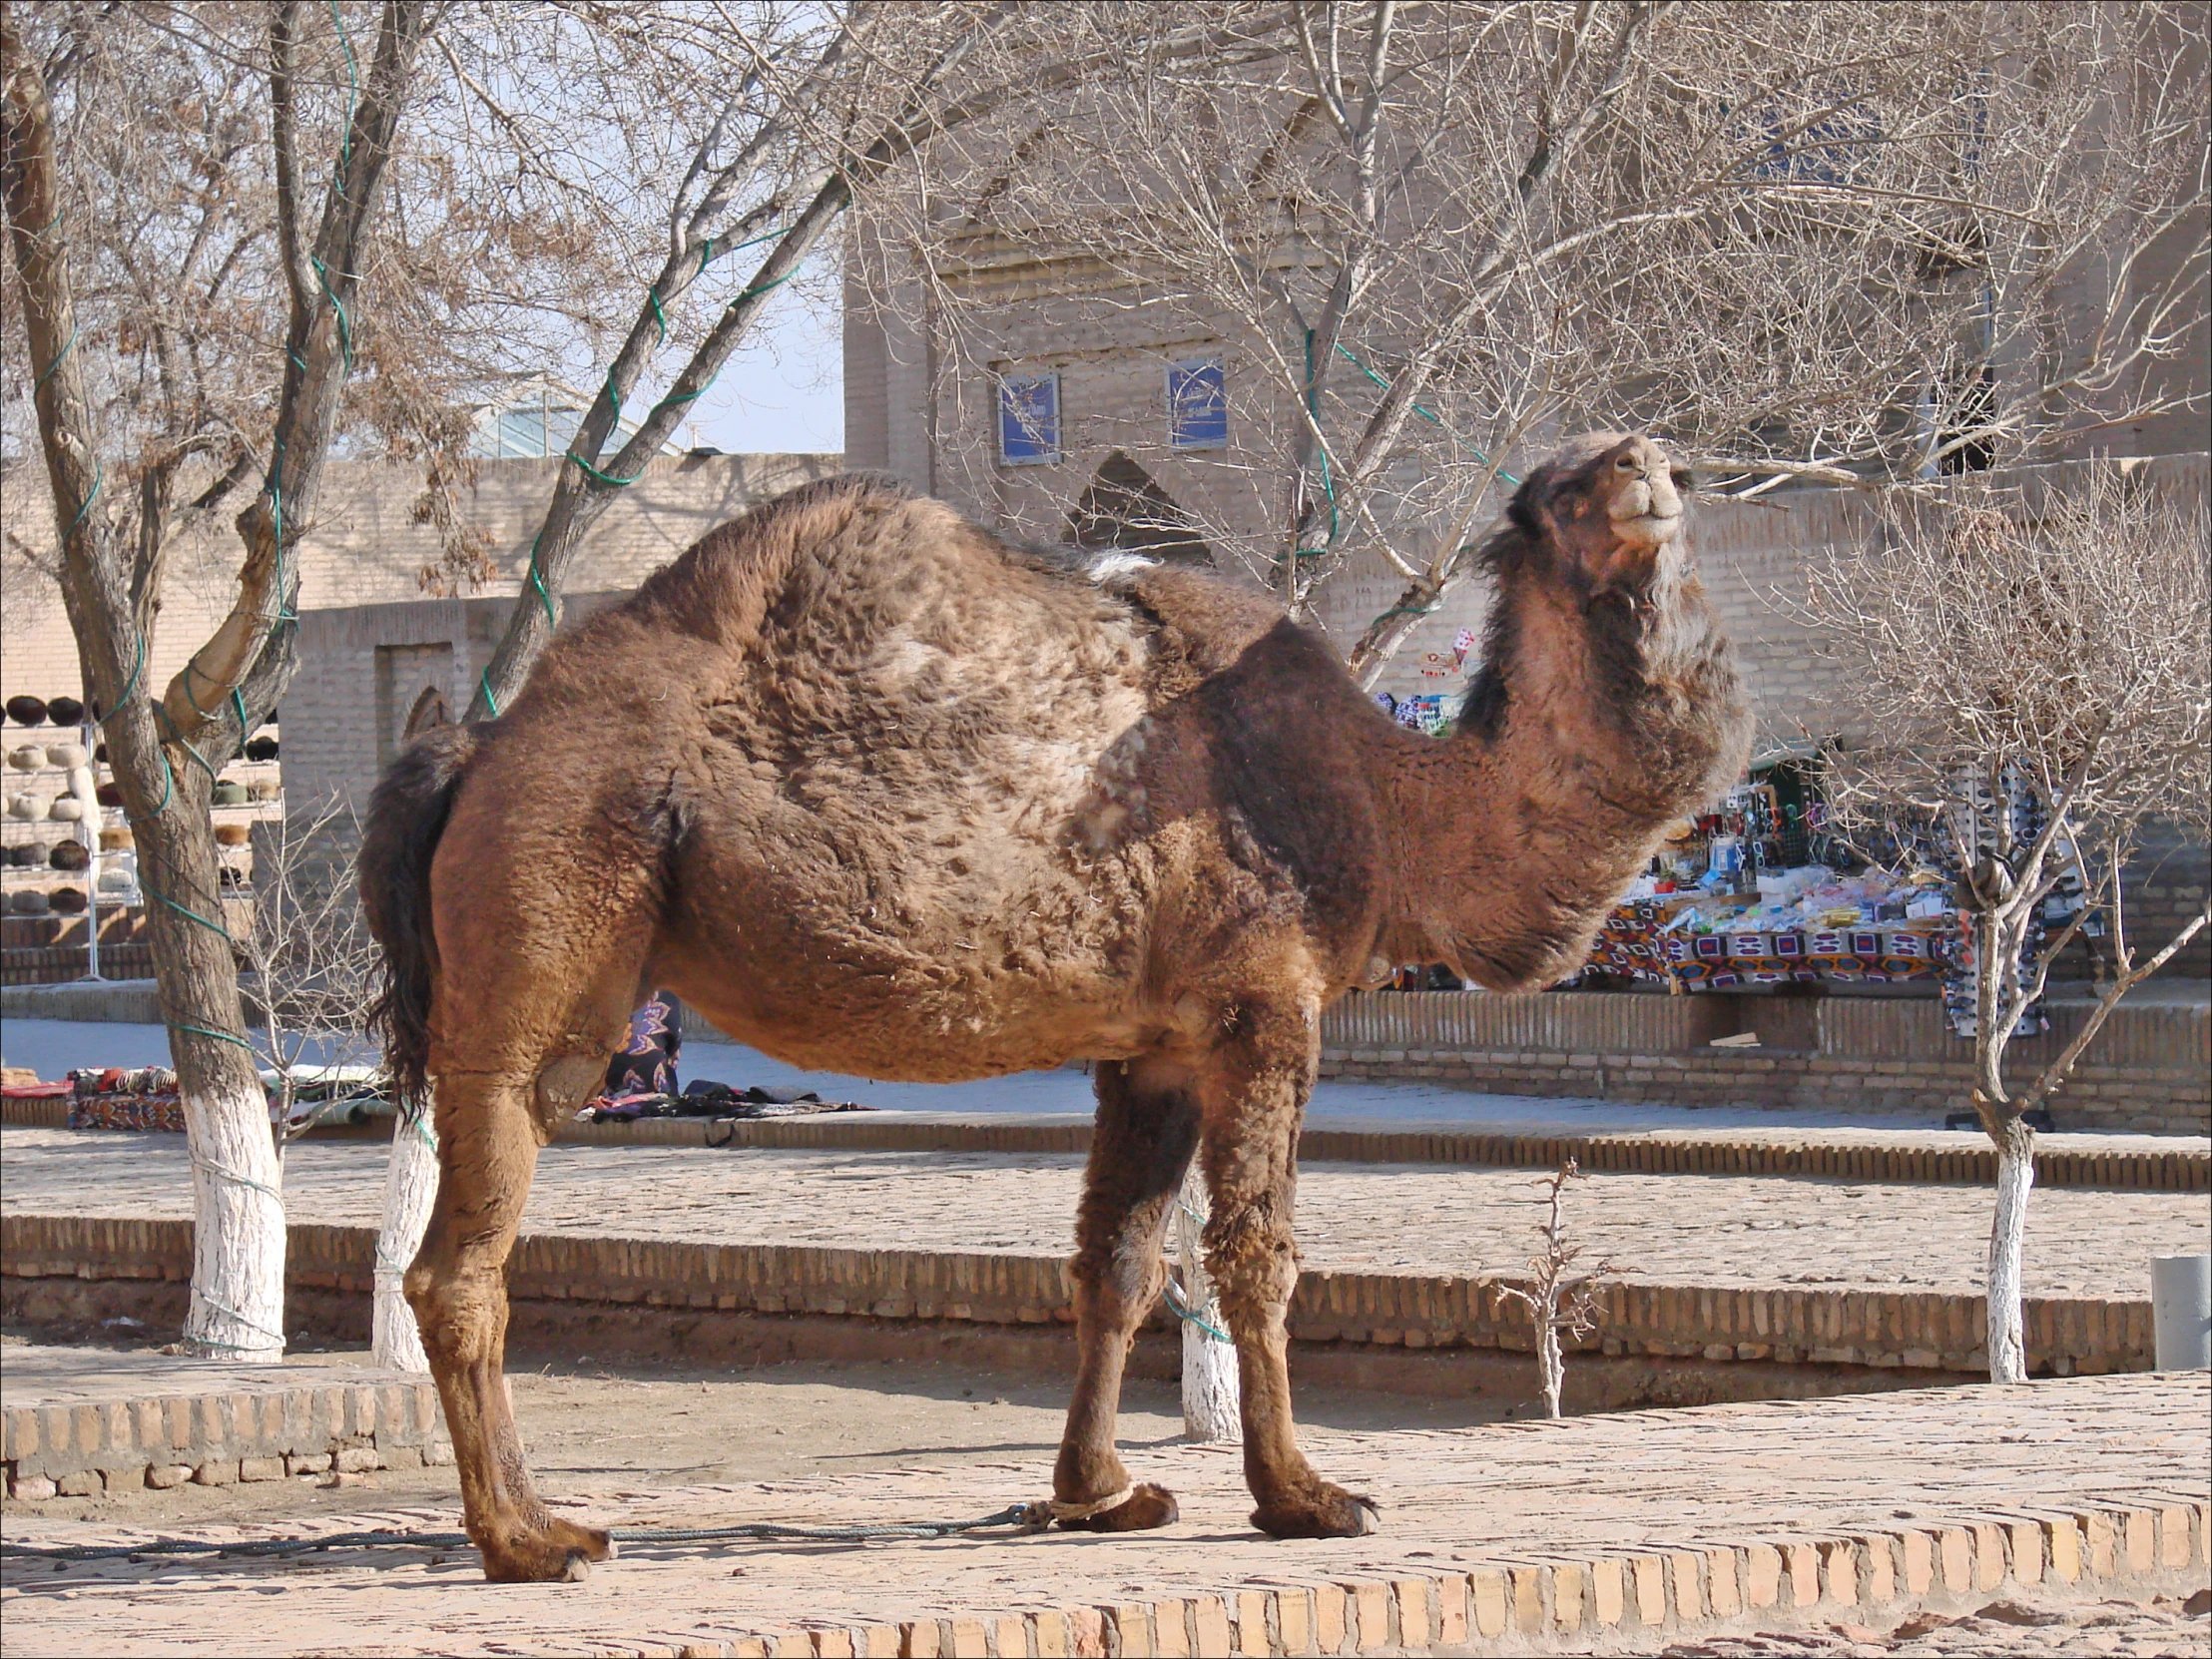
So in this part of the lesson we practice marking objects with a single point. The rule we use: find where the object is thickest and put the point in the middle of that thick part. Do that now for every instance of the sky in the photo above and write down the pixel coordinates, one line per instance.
(785, 392)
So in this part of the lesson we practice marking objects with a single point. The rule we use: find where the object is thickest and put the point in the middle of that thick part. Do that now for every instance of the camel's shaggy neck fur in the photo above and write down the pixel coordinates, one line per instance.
(1607, 703)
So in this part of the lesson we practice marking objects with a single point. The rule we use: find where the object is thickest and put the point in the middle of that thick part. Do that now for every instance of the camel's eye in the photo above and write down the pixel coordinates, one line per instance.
(1627, 463)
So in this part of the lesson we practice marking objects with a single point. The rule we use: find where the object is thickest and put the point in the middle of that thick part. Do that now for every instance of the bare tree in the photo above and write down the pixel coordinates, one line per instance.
(1559, 1300)
(245, 238)
(310, 976)
(828, 105)
(1829, 242)
(310, 962)
(59, 166)
(2032, 674)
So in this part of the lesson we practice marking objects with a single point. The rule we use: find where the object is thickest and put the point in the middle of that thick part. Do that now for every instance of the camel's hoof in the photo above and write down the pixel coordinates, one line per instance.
(560, 1552)
(1147, 1506)
(1332, 1513)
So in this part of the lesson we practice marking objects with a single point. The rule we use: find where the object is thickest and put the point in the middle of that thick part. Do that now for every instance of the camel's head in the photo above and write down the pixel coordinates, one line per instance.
(1605, 509)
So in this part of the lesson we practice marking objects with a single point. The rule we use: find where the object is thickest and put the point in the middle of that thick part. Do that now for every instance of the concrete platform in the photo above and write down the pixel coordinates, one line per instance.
(83, 1421)
(1621, 1533)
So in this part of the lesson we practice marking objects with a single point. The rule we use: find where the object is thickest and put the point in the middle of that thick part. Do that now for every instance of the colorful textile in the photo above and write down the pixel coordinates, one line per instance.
(646, 1064)
(140, 1098)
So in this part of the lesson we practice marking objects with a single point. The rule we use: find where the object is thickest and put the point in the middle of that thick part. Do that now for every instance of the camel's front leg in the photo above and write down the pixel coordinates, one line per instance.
(1254, 1096)
(488, 1139)
(1147, 1125)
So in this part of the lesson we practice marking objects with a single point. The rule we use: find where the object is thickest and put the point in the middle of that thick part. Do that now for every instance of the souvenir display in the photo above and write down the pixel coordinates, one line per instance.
(94, 860)
(138, 1098)
(1801, 924)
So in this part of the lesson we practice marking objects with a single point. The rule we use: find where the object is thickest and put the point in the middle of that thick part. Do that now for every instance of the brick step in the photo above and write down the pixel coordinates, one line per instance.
(1927, 1332)
(132, 1422)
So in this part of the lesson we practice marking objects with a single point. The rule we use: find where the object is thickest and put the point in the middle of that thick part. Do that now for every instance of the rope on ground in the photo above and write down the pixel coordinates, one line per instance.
(1015, 1514)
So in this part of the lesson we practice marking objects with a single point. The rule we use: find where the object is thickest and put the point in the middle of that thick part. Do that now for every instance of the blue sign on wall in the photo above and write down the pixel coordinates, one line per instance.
(1029, 419)
(1198, 405)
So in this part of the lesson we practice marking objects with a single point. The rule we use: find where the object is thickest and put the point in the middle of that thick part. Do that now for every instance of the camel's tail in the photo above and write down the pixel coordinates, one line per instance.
(406, 816)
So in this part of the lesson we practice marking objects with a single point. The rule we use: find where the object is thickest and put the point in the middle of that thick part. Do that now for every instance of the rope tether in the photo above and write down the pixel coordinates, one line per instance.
(1015, 1514)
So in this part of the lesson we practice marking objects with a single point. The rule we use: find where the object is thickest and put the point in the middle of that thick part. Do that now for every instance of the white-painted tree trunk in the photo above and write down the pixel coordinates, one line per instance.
(1212, 1399)
(410, 1184)
(2007, 1233)
(1551, 1364)
(238, 1237)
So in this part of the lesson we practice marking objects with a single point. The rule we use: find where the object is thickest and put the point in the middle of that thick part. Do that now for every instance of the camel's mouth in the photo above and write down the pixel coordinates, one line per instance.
(1647, 529)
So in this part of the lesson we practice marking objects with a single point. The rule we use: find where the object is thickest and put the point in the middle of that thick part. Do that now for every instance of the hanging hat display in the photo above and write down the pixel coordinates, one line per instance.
(68, 856)
(261, 749)
(65, 808)
(29, 902)
(67, 756)
(27, 855)
(29, 807)
(115, 840)
(65, 710)
(27, 758)
(229, 794)
(266, 788)
(68, 901)
(27, 711)
(233, 835)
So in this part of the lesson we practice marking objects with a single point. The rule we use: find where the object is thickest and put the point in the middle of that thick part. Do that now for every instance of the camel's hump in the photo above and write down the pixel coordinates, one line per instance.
(864, 533)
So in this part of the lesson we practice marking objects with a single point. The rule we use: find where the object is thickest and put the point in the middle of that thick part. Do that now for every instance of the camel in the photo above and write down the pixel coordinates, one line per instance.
(877, 793)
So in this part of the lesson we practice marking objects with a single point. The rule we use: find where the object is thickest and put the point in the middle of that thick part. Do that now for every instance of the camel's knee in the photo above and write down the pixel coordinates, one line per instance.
(1252, 1260)
(1118, 1285)
(462, 1317)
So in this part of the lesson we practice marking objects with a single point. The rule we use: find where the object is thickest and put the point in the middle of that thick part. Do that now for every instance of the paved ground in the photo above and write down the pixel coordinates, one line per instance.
(2155, 1627)
(1706, 1230)
(599, 1430)
(1452, 1500)
(54, 1047)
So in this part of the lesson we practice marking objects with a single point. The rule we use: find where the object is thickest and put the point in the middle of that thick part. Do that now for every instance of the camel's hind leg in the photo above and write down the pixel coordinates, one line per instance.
(1147, 1125)
(488, 1140)
(523, 1035)
(1253, 1091)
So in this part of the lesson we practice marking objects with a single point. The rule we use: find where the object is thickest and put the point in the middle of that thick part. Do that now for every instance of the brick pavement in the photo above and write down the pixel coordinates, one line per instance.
(1704, 1230)
(1631, 1530)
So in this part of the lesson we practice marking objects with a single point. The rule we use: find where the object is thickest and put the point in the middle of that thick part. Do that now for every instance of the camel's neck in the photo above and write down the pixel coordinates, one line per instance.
(1590, 728)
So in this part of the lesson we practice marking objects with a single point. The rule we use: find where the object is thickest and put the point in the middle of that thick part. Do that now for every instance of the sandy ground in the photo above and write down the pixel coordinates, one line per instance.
(601, 1431)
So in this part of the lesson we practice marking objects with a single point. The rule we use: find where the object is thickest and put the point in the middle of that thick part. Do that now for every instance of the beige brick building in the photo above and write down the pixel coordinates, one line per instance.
(372, 641)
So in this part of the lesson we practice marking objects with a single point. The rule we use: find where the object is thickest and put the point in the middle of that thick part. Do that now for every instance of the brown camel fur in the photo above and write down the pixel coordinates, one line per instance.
(877, 793)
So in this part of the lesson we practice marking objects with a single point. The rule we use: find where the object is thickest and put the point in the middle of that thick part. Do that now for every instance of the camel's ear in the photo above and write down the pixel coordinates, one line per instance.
(428, 714)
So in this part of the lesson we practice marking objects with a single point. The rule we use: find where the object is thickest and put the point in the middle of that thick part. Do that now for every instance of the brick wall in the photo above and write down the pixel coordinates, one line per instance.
(366, 549)
(2149, 1069)
(1908, 1329)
